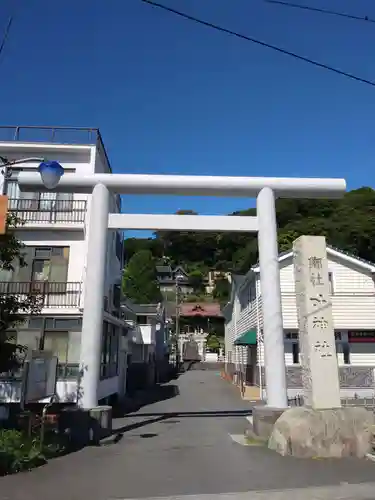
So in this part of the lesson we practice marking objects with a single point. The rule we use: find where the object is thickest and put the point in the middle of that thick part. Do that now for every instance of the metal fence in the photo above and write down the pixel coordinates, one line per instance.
(58, 135)
(346, 402)
(48, 211)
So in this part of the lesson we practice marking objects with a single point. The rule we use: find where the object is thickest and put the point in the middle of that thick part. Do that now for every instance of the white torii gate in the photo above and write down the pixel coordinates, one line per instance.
(265, 189)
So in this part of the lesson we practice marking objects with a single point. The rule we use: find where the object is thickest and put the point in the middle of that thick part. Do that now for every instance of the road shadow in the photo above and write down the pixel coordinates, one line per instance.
(118, 433)
(199, 414)
(146, 397)
(138, 425)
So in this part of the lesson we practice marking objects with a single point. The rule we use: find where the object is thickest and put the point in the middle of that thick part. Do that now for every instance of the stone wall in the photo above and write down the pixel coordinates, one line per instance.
(350, 377)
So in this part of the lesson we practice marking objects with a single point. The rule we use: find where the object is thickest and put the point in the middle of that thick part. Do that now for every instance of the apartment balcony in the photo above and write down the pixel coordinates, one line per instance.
(53, 295)
(49, 214)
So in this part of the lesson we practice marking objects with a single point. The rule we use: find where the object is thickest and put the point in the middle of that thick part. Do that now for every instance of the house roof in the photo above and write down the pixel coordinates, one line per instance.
(142, 309)
(334, 252)
(238, 281)
(163, 269)
(179, 268)
(206, 309)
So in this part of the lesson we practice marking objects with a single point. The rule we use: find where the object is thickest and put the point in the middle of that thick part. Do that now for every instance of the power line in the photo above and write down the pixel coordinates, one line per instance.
(321, 11)
(6, 35)
(259, 42)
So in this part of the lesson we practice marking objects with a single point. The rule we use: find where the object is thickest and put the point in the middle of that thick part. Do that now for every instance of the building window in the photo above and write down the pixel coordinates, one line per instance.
(57, 343)
(43, 264)
(244, 298)
(41, 323)
(110, 346)
(330, 283)
(119, 247)
(40, 270)
(346, 352)
(25, 200)
(295, 352)
(291, 335)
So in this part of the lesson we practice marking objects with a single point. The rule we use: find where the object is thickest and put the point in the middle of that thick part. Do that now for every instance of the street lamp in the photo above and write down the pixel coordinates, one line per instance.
(6, 167)
(178, 278)
(51, 173)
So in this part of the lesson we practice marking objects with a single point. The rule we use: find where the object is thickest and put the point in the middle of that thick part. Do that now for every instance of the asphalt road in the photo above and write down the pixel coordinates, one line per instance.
(181, 446)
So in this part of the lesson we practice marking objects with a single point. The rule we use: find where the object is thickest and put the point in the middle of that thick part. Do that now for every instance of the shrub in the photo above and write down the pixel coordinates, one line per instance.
(18, 452)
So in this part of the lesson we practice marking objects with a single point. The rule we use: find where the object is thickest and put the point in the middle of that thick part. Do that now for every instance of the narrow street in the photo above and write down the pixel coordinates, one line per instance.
(182, 445)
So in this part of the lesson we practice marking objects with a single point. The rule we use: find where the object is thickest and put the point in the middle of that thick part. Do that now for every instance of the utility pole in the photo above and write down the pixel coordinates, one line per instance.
(177, 325)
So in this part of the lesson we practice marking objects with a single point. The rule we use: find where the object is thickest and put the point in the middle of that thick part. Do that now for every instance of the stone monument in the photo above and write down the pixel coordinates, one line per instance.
(320, 375)
(321, 428)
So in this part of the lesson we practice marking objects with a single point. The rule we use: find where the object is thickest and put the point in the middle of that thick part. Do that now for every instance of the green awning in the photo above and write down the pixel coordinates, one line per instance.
(247, 338)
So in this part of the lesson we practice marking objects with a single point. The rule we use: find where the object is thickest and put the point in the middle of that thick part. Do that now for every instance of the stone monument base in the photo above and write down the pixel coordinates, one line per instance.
(335, 433)
(264, 419)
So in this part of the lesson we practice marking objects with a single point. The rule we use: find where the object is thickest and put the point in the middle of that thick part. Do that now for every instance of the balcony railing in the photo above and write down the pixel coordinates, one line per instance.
(53, 294)
(48, 211)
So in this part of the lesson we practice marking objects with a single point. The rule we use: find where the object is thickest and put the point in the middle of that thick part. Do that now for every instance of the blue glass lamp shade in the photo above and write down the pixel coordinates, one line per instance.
(50, 172)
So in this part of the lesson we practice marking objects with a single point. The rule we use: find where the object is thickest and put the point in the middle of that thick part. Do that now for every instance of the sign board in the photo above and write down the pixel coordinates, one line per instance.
(3, 213)
(40, 374)
(361, 336)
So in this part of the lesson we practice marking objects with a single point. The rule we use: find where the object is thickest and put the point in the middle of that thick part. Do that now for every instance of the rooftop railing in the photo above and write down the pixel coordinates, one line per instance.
(56, 135)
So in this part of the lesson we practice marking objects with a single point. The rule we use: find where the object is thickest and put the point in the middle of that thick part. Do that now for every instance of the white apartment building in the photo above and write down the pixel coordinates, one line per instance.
(353, 301)
(55, 234)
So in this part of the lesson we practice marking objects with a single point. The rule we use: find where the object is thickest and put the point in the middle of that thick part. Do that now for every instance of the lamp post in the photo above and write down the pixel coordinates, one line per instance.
(6, 168)
(177, 306)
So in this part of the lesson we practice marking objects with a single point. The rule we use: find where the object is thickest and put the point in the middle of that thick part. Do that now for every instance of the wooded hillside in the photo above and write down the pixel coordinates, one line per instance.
(347, 223)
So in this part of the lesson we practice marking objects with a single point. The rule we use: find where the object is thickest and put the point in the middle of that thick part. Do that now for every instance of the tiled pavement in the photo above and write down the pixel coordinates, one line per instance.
(180, 448)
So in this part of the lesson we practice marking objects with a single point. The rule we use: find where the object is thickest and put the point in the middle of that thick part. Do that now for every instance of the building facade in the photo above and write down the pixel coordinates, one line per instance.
(54, 231)
(170, 277)
(352, 291)
(148, 357)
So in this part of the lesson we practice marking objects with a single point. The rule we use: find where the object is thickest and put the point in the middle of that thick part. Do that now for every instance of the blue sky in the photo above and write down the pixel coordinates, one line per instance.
(171, 96)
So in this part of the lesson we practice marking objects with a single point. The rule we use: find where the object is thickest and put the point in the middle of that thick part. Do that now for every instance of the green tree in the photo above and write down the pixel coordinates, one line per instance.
(213, 343)
(139, 281)
(347, 223)
(133, 245)
(196, 279)
(222, 289)
(13, 307)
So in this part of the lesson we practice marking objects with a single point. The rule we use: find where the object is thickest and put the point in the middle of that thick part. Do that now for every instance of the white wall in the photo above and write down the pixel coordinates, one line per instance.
(362, 354)
(353, 299)
(353, 302)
